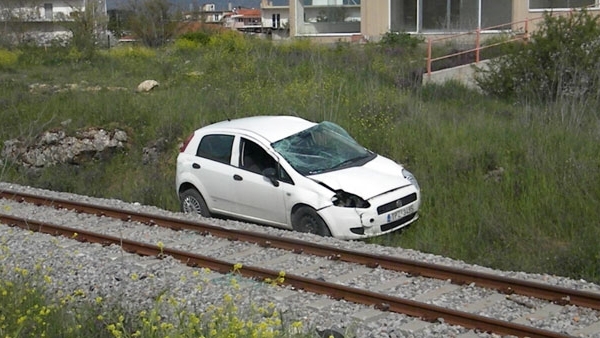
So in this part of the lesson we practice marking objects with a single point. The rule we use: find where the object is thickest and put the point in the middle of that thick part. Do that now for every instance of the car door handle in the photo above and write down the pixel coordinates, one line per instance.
(196, 166)
(237, 177)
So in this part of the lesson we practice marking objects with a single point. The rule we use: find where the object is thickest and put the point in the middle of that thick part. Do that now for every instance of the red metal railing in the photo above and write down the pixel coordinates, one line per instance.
(520, 31)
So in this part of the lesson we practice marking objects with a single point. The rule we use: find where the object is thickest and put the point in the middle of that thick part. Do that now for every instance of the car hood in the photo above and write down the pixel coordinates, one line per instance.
(375, 177)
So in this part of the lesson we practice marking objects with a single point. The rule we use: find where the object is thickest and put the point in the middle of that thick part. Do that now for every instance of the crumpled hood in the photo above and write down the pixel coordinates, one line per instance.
(367, 181)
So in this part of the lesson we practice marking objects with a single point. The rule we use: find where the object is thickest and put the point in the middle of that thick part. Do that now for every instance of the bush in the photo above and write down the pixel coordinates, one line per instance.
(560, 62)
(186, 45)
(230, 41)
(133, 52)
(401, 39)
(201, 38)
(8, 58)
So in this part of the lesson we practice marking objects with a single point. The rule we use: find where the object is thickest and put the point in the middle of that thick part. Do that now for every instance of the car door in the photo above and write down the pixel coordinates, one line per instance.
(258, 197)
(214, 170)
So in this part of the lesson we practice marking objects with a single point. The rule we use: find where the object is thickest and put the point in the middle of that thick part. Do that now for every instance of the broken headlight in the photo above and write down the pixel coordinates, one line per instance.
(411, 178)
(347, 200)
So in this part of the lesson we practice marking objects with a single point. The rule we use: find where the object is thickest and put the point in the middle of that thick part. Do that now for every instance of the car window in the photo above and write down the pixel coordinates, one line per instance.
(255, 159)
(216, 147)
(283, 176)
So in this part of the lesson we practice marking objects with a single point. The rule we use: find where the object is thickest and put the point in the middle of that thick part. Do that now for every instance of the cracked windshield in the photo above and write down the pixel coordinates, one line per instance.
(324, 147)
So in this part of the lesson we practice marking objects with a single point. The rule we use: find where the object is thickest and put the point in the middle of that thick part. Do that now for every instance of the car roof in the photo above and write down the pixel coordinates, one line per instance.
(272, 128)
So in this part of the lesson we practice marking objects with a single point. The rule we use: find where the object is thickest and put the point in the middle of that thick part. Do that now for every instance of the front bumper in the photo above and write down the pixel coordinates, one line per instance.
(388, 212)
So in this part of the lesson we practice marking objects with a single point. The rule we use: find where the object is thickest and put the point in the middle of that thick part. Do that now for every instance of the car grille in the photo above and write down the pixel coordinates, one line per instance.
(396, 204)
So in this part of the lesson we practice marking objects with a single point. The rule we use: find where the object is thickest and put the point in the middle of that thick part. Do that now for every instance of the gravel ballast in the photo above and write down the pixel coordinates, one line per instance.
(135, 282)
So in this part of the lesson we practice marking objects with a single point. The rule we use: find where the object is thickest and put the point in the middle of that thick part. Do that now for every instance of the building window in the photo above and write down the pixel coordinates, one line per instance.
(496, 14)
(331, 2)
(48, 15)
(276, 21)
(449, 15)
(557, 4)
(322, 17)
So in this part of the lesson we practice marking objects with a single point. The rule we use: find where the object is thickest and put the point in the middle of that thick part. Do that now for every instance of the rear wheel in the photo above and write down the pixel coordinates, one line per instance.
(306, 219)
(192, 202)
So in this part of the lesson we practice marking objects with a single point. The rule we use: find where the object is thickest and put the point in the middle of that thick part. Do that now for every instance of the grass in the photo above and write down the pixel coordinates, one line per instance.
(505, 185)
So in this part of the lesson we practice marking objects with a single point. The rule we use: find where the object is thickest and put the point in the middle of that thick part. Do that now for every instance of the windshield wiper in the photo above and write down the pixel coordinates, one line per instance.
(350, 161)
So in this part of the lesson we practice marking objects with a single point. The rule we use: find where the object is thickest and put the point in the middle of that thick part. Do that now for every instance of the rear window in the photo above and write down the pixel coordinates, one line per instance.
(216, 147)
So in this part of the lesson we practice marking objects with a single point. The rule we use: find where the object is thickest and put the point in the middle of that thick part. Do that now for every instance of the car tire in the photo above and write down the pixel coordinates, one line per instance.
(192, 202)
(306, 219)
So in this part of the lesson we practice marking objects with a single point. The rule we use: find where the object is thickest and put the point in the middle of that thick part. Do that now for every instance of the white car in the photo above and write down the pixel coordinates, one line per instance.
(288, 172)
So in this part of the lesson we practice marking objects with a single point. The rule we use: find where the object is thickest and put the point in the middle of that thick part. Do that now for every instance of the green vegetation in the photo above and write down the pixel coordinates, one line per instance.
(559, 63)
(505, 185)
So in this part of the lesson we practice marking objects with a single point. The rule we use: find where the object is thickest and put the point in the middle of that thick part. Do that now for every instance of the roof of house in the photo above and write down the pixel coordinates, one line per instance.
(244, 12)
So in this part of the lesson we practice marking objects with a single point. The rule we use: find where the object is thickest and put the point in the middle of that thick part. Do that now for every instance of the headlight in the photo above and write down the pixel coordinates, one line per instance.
(409, 176)
(347, 200)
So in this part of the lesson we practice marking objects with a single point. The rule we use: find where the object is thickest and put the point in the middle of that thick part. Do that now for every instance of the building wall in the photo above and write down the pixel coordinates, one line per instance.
(533, 17)
(375, 18)
(42, 10)
(41, 21)
(327, 19)
(267, 17)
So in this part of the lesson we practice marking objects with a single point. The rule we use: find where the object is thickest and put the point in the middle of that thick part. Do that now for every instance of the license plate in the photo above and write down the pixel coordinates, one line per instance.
(396, 215)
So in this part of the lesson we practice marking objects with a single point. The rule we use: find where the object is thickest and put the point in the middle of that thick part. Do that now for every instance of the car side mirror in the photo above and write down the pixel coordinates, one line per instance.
(271, 174)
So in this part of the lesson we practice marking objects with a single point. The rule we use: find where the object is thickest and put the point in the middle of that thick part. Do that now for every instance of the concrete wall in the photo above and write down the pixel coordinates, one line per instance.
(463, 74)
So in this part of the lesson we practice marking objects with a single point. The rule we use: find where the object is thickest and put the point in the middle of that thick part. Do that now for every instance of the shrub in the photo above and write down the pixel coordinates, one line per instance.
(8, 58)
(230, 41)
(560, 62)
(186, 45)
(129, 52)
(401, 39)
(201, 38)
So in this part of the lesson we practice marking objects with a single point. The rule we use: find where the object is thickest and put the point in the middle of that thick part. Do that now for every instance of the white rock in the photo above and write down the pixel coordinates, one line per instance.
(147, 86)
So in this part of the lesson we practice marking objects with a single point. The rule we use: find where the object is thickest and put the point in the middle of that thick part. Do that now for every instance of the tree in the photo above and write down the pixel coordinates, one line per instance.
(87, 26)
(560, 62)
(151, 21)
(117, 21)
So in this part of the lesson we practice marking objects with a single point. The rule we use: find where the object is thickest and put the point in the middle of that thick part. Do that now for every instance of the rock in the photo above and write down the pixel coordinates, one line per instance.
(151, 153)
(55, 147)
(495, 175)
(147, 86)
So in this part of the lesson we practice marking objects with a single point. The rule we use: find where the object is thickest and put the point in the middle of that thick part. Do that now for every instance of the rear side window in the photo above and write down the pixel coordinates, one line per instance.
(216, 147)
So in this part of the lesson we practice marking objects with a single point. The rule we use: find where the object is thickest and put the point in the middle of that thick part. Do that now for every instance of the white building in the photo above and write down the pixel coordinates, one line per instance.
(335, 20)
(44, 21)
(275, 18)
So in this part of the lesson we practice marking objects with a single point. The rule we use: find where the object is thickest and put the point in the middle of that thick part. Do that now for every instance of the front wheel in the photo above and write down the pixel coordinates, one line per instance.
(192, 202)
(306, 219)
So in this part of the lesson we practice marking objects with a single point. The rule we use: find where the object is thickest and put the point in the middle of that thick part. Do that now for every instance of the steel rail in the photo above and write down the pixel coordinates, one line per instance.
(382, 302)
(507, 285)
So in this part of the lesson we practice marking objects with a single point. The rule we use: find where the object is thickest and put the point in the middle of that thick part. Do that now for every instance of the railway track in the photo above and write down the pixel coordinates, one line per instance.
(450, 278)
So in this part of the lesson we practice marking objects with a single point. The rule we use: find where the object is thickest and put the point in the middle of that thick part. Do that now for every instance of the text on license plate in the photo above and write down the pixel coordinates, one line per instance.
(394, 216)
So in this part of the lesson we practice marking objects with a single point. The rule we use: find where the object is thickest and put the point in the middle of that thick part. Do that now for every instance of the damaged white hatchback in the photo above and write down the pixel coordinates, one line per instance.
(288, 172)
